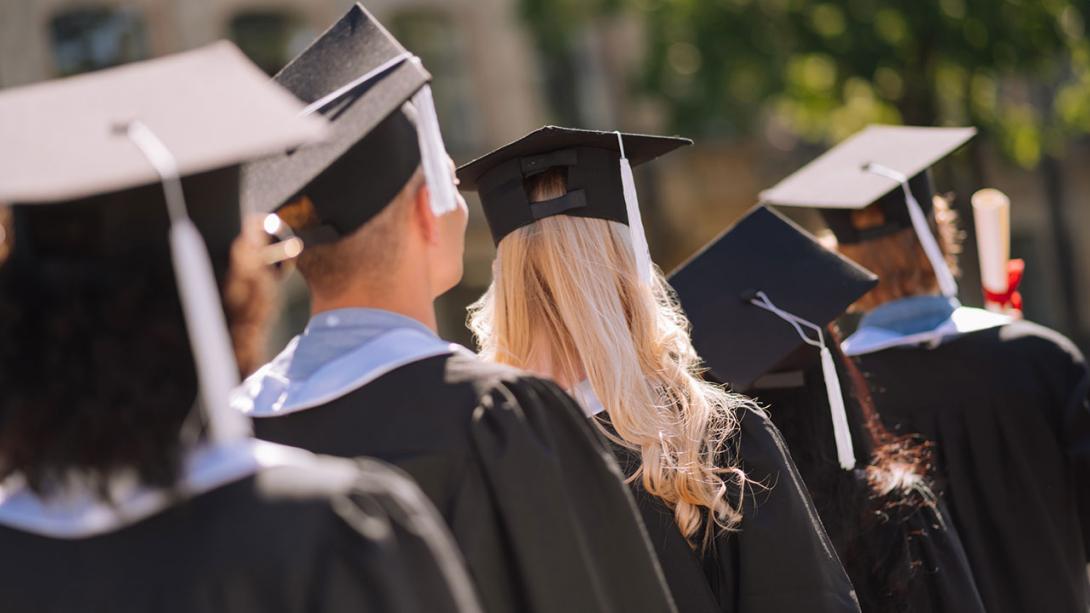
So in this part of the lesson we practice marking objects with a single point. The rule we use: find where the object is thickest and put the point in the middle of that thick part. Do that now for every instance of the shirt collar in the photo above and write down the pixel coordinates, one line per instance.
(360, 319)
(587, 399)
(332, 334)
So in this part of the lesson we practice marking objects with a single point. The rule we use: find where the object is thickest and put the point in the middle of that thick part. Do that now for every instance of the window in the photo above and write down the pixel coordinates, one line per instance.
(270, 38)
(92, 38)
(432, 36)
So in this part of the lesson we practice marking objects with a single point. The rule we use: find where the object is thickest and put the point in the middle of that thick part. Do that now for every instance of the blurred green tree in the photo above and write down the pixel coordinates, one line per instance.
(1018, 69)
(819, 70)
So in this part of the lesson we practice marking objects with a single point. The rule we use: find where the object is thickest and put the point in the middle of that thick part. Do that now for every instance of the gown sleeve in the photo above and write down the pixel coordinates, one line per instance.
(1076, 428)
(390, 552)
(943, 580)
(563, 513)
(781, 559)
(681, 564)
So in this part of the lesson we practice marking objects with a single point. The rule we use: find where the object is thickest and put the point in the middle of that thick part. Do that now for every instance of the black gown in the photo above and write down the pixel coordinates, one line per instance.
(328, 536)
(780, 559)
(1008, 410)
(913, 561)
(532, 496)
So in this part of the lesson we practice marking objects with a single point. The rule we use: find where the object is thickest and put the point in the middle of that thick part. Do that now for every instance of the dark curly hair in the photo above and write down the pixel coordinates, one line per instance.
(870, 514)
(95, 365)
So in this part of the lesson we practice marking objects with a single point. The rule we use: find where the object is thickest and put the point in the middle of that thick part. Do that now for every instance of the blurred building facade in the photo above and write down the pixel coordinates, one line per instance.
(492, 85)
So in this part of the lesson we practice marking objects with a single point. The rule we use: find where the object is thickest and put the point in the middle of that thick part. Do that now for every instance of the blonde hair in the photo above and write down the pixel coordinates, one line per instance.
(565, 293)
(898, 259)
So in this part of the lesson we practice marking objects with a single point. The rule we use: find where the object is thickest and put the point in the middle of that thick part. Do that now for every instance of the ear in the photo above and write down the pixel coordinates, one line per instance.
(425, 220)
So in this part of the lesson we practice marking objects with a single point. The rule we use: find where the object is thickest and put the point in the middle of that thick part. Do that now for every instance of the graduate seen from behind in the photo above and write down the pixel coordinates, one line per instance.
(1004, 401)
(532, 496)
(576, 297)
(760, 298)
(130, 485)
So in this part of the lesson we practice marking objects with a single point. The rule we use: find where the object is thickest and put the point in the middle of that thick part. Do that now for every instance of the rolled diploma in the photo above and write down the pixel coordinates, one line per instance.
(991, 214)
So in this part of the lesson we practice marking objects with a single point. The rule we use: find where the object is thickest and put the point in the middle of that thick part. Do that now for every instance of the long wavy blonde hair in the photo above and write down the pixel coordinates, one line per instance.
(566, 299)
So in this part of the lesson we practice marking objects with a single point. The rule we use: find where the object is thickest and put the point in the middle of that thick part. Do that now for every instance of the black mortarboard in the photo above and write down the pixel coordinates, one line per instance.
(760, 291)
(591, 159)
(361, 78)
(763, 252)
(102, 165)
(868, 168)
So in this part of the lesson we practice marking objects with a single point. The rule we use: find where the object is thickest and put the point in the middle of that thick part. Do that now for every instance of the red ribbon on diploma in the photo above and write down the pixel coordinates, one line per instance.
(1010, 298)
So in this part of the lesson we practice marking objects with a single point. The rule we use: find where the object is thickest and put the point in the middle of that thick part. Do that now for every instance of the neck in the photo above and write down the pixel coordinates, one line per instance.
(408, 299)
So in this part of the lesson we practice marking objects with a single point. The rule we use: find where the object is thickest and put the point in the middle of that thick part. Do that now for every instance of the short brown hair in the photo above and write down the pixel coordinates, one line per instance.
(898, 259)
(371, 250)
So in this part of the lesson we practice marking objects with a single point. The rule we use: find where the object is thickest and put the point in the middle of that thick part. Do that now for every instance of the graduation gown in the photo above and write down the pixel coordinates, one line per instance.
(915, 534)
(1008, 410)
(532, 496)
(322, 534)
(779, 560)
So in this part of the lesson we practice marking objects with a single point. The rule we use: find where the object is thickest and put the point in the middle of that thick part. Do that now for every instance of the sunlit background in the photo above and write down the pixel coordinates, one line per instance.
(763, 86)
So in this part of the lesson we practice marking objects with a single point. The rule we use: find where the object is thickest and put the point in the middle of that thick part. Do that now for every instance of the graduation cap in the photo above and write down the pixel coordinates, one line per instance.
(102, 166)
(598, 168)
(867, 169)
(361, 78)
(759, 291)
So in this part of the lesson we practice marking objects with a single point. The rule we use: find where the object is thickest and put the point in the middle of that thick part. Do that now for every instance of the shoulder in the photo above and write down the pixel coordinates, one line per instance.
(1039, 339)
(787, 560)
(774, 480)
(346, 501)
(1025, 347)
(466, 368)
(319, 479)
(762, 444)
(1015, 340)
(496, 386)
(300, 491)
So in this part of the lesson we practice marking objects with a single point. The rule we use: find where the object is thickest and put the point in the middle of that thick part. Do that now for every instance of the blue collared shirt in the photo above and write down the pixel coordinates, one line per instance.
(333, 334)
(915, 321)
(340, 351)
(911, 315)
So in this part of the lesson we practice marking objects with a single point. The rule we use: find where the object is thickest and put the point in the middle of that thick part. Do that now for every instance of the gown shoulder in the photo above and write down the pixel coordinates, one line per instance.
(783, 559)
(529, 491)
(779, 559)
(332, 535)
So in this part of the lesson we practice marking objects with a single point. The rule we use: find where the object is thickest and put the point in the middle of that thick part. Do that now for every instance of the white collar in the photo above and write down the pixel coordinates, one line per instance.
(271, 391)
(963, 320)
(79, 513)
(588, 400)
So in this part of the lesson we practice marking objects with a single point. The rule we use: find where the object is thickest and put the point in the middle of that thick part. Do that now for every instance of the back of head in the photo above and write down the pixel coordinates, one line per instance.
(898, 258)
(873, 513)
(370, 254)
(97, 371)
(566, 298)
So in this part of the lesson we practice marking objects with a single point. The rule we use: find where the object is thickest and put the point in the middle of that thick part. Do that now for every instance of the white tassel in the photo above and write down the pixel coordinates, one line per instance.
(207, 327)
(947, 284)
(635, 220)
(433, 154)
(217, 371)
(845, 449)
